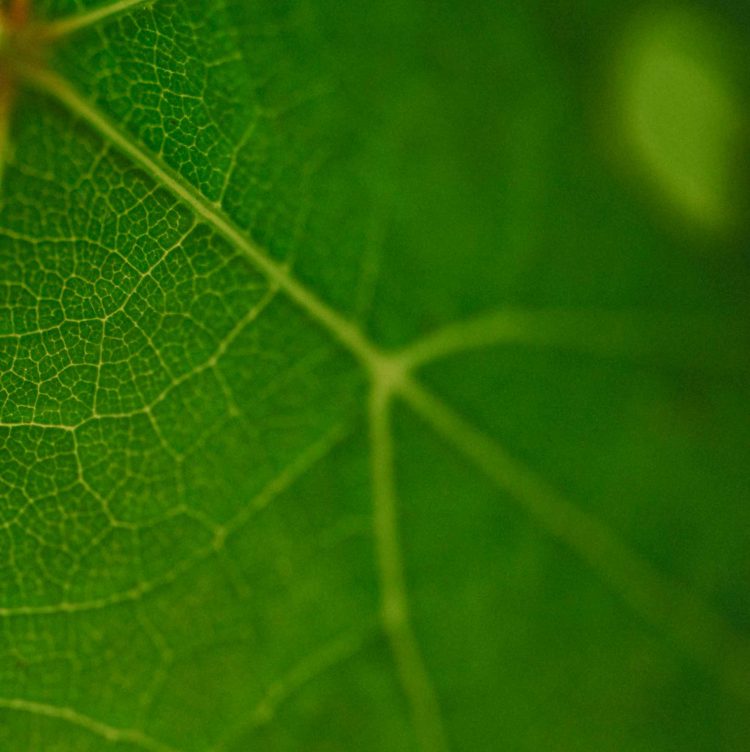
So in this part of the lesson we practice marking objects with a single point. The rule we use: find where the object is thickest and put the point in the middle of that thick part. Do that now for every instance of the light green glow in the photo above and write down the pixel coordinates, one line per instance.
(682, 116)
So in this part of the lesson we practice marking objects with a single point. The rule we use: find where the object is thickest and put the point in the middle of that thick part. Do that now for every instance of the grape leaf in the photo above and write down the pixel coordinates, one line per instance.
(373, 376)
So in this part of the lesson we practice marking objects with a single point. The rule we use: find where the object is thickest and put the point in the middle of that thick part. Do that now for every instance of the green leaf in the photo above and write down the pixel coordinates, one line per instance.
(366, 380)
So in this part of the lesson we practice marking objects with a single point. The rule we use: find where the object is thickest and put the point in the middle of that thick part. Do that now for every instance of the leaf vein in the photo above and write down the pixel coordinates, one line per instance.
(112, 734)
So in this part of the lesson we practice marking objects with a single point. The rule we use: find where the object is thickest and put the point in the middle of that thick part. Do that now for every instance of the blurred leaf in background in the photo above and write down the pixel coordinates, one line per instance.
(682, 110)
(374, 376)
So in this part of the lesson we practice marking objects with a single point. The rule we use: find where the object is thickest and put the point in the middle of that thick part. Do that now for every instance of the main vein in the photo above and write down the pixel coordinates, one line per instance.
(385, 372)
(342, 329)
(651, 595)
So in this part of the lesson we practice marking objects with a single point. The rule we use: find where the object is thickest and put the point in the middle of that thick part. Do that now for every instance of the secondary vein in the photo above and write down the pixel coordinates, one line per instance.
(111, 734)
(694, 627)
(683, 339)
(309, 668)
(77, 22)
(394, 610)
(275, 487)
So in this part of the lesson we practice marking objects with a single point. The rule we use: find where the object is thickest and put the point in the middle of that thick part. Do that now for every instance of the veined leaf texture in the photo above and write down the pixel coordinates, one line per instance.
(374, 376)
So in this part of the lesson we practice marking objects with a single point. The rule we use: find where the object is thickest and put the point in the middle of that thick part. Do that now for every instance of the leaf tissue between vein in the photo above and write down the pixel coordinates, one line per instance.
(23, 43)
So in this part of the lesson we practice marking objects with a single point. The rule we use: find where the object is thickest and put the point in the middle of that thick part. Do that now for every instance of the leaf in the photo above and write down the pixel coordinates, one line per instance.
(355, 391)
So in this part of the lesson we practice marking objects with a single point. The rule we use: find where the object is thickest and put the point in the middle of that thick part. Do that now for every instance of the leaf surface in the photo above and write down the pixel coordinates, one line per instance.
(361, 388)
